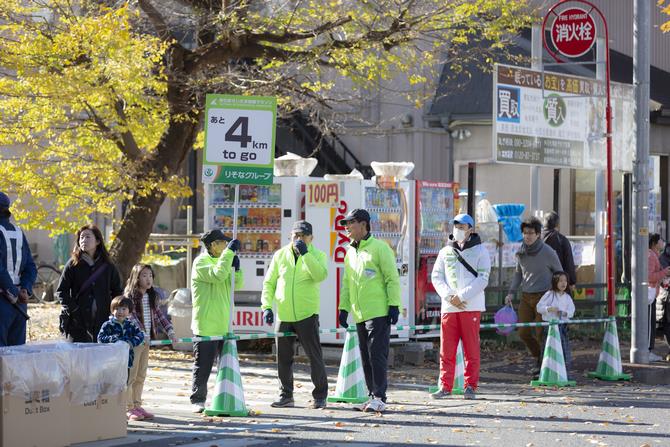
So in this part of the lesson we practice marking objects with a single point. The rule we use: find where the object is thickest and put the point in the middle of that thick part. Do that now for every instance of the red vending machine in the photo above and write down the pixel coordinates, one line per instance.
(435, 205)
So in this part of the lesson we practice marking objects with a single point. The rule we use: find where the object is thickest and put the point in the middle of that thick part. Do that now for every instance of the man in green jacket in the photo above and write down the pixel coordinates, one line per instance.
(210, 288)
(292, 282)
(371, 292)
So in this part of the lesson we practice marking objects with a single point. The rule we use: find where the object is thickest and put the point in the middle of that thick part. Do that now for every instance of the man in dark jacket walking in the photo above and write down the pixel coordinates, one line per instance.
(561, 245)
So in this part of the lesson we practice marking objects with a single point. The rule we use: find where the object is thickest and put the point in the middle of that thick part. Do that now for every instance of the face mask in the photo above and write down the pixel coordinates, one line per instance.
(459, 234)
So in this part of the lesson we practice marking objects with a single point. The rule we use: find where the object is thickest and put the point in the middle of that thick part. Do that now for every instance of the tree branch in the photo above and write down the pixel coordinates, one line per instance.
(288, 37)
(108, 132)
(157, 20)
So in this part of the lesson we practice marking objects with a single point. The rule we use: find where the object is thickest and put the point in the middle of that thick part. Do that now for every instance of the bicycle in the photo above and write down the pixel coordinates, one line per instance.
(45, 283)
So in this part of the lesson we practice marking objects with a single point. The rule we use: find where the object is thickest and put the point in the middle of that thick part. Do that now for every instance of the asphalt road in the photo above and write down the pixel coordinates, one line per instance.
(507, 412)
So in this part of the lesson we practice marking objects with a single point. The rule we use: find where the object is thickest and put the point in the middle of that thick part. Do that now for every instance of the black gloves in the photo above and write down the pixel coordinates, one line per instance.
(343, 318)
(236, 263)
(300, 247)
(234, 245)
(268, 316)
(394, 313)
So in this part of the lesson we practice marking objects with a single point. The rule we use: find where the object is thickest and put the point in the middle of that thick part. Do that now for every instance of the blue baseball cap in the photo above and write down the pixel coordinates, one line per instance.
(464, 219)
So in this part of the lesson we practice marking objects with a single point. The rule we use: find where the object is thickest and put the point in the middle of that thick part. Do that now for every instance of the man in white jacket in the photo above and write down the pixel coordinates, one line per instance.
(460, 275)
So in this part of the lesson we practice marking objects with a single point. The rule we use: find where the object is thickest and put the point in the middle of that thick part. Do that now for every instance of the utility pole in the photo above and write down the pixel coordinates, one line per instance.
(535, 64)
(639, 350)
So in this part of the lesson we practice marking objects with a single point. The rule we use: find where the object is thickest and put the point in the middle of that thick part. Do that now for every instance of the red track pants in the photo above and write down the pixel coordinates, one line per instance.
(459, 326)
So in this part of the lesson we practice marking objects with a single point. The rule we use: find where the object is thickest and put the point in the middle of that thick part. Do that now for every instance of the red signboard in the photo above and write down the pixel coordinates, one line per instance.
(573, 32)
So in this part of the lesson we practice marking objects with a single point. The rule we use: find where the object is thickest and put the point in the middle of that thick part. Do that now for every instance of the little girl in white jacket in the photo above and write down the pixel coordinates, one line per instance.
(556, 304)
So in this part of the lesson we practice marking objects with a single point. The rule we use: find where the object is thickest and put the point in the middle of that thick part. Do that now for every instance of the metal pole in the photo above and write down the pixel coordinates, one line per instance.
(535, 64)
(600, 187)
(232, 273)
(472, 188)
(639, 350)
(189, 248)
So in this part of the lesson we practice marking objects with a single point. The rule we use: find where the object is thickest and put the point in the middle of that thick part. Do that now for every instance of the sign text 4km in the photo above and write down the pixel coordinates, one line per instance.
(240, 139)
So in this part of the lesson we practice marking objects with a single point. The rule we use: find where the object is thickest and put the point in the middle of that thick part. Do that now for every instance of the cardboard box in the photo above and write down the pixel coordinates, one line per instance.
(36, 420)
(102, 418)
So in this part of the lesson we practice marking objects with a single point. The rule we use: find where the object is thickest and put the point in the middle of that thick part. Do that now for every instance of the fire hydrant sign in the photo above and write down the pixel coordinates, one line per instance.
(239, 139)
(573, 32)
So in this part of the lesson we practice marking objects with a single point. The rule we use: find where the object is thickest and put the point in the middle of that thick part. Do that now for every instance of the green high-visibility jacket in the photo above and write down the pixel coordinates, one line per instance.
(371, 282)
(294, 283)
(210, 289)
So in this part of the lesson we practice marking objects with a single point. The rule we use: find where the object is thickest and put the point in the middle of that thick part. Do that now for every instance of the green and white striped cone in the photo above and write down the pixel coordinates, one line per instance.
(552, 372)
(609, 362)
(350, 386)
(228, 393)
(459, 374)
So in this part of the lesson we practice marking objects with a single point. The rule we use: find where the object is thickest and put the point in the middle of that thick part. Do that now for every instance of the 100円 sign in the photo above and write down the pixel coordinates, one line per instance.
(239, 139)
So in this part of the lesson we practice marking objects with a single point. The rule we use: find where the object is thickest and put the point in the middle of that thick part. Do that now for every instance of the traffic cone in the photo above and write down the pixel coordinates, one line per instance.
(552, 372)
(459, 374)
(350, 386)
(228, 393)
(609, 362)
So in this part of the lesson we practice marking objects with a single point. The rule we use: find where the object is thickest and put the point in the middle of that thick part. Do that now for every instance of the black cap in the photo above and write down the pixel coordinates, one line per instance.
(302, 226)
(4, 200)
(213, 236)
(356, 214)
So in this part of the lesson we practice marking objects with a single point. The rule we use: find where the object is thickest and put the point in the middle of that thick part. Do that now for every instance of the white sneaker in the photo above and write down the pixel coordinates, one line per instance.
(363, 406)
(654, 358)
(376, 405)
(198, 407)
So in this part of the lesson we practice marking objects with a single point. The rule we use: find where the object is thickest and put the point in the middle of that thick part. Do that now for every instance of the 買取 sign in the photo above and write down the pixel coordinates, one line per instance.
(559, 121)
(239, 139)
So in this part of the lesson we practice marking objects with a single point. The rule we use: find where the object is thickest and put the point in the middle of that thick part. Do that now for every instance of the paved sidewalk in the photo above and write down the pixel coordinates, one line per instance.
(507, 412)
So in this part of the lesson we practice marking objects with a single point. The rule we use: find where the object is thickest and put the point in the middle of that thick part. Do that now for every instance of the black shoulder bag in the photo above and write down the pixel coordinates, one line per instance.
(465, 264)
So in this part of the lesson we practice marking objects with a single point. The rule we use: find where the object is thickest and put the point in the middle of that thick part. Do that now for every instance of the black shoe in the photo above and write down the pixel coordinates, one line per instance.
(283, 402)
(318, 403)
(469, 393)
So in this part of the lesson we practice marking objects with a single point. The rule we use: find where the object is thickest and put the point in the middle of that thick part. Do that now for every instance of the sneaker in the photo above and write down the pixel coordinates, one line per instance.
(654, 358)
(376, 405)
(134, 415)
(440, 394)
(318, 404)
(145, 413)
(198, 407)
(283, 402)
(469, 393)
(363, 406)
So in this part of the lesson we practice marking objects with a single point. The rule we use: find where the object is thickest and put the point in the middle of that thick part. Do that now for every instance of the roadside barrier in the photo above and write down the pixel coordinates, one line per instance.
(350, 386)
(553, 372)
(399, 327)
(229, 396)
(459, 374)
(228, 393)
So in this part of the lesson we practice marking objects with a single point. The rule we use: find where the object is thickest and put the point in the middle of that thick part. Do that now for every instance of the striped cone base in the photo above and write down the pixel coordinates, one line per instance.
(350, 386)
(228, 393)
(609, 362)
(553, 371)
(459, 374)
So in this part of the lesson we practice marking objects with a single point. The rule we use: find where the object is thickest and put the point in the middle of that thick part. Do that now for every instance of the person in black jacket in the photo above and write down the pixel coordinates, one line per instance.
(87, 286)
(561, 245)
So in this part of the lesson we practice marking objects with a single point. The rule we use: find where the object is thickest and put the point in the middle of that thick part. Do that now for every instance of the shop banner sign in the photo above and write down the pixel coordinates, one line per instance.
(239, 139)
(559, 121)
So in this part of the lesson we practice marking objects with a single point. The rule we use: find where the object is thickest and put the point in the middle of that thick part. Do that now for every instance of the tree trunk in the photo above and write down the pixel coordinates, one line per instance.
(136, 226)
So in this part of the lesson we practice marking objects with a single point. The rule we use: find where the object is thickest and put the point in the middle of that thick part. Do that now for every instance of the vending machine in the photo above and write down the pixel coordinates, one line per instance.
(435, 205)
(265, 217)
(391, 208)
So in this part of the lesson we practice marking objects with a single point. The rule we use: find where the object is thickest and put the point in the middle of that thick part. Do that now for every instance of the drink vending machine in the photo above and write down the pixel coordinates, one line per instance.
(265, 217)
(391, 208)
(435, 207)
